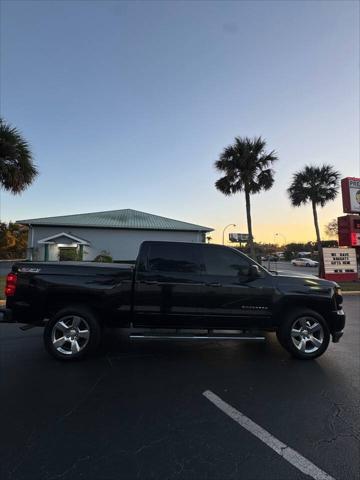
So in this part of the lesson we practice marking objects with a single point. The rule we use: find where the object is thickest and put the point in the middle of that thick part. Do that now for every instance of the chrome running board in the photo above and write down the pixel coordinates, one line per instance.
(159, 336)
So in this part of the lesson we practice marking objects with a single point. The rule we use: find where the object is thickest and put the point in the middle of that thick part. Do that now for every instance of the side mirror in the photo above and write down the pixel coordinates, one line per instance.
(254, 271)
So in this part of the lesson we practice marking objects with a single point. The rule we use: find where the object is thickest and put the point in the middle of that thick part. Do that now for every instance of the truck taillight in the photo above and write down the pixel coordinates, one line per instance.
(10, 286)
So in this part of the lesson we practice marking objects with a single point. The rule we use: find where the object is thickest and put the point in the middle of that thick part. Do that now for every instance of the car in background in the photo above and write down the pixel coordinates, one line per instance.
(304, 262)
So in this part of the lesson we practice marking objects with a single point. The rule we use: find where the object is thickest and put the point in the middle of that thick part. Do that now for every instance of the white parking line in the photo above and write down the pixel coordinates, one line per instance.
(292, 456)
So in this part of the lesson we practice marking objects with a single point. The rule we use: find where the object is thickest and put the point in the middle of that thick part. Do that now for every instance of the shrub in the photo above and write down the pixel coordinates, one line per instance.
(103, 257)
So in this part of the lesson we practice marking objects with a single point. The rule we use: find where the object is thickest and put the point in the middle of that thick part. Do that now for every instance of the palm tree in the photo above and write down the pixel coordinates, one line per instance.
(315, 185)
(17, 170)
(247, 168)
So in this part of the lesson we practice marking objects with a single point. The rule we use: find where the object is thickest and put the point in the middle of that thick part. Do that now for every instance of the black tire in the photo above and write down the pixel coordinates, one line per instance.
(318, 340)
(82, 329)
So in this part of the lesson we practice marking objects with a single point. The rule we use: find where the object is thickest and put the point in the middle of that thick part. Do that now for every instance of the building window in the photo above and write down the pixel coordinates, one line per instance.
(68, 254)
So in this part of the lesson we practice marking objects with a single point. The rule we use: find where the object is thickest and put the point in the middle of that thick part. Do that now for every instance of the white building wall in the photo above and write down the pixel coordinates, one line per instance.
(120, 244)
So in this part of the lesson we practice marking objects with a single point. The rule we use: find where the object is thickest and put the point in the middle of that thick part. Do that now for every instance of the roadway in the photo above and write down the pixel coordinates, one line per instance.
(138, 410)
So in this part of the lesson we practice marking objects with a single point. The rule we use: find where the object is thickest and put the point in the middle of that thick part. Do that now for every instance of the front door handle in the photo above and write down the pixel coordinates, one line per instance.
(213, 284)
(151, 282)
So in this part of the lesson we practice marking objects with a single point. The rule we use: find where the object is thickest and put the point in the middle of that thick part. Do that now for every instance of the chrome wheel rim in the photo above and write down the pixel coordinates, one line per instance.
(307, 334)
(70, 335)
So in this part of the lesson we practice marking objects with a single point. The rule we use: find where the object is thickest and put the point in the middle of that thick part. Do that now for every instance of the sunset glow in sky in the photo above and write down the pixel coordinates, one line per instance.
(128, 104)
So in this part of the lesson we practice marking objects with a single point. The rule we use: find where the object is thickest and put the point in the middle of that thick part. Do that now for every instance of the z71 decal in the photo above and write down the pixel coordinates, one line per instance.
(29, 270)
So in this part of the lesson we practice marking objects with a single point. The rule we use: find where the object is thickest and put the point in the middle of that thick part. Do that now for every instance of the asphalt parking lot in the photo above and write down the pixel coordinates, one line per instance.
(138, 410)
(287, 267)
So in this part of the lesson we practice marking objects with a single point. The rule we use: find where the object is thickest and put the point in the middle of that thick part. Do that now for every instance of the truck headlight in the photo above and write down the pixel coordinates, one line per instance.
(338, 291)
(338, 297)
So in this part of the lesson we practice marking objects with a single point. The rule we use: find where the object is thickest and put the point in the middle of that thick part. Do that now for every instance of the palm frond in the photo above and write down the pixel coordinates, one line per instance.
(17, 170)
(224, 186)
(266, 179)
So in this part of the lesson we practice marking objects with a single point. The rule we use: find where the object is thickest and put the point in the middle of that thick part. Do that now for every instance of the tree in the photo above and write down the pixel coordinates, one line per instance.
(261, 248)
(331, 228)
(247, 168)
(315, 185)
(13, 240)
(292, 249)
(17, 170)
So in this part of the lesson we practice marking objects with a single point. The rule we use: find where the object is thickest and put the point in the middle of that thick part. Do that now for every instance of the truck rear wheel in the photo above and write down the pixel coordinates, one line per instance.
(304, 334)
(72, 333)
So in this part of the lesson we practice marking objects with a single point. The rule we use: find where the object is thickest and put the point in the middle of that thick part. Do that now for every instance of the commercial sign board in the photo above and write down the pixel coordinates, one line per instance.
(350, 188)
(238, 237)
(340, 264)
(349, 231)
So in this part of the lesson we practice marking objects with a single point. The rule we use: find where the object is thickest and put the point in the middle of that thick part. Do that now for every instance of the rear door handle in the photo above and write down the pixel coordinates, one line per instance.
(151, 282)
(213, 284)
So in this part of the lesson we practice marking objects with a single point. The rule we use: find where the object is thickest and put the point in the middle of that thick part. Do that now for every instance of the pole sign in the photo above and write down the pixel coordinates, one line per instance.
(349, 231)
(238, 237)
(350, 188)
(340, 264)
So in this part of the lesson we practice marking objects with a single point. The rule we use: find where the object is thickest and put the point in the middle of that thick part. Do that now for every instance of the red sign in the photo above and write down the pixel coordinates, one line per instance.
(349, 231)
(350, 188)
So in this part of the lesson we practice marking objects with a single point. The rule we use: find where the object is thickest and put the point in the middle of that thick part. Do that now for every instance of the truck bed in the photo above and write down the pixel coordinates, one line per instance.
(42, 286)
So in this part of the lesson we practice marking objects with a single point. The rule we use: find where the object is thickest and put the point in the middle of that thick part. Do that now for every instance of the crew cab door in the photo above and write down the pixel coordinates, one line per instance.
(235, 298)
(168, 286)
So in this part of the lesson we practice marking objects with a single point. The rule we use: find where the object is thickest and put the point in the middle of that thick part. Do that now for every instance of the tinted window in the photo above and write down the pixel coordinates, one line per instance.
(174, 258)
(225, 263)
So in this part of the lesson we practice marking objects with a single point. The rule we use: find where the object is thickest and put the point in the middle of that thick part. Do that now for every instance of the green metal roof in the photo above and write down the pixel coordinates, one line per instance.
(126, 219)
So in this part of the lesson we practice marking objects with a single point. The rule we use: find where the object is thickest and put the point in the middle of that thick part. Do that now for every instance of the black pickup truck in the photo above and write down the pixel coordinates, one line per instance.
(178, 287)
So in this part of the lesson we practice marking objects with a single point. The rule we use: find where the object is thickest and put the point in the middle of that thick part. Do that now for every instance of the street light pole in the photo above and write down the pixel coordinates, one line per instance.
(230, 225)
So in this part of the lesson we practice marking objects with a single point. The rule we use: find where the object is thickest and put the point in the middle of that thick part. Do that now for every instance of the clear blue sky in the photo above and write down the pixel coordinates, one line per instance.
(128, 104)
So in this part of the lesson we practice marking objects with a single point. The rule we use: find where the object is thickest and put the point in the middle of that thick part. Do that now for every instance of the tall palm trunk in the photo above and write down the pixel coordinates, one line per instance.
(318, 241)
(249, 224)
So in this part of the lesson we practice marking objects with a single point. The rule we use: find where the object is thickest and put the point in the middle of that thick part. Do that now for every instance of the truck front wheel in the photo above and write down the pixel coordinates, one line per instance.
(72, 333)
(304, 333)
